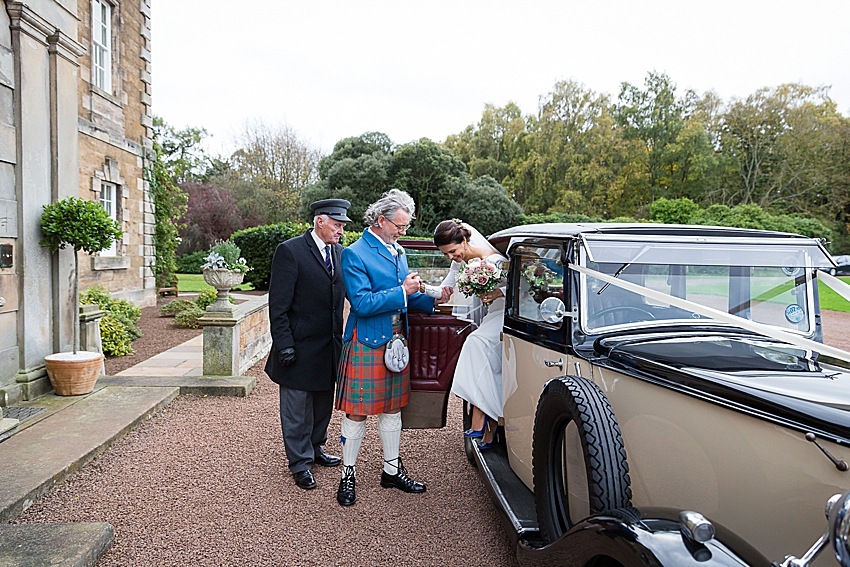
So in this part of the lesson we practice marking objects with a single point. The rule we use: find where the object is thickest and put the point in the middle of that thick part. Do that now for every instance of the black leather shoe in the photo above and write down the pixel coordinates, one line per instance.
(325, 460)
(304, 479)
(401, 481)
(345, 495)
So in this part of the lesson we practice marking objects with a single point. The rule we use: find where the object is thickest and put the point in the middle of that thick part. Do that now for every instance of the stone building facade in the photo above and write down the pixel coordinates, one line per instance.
(115, 121)
(62, 136)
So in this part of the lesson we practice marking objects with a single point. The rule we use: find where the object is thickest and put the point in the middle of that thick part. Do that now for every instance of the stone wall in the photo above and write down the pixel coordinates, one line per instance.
(38, 165)
(235, 340)
(115, 134)
(254, 336)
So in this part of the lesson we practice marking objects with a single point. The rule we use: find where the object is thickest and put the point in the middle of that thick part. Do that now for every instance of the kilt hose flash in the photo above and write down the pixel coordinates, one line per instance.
(365, 386)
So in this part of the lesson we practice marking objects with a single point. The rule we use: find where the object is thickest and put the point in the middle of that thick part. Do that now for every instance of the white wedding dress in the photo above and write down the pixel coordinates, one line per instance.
(478, 376)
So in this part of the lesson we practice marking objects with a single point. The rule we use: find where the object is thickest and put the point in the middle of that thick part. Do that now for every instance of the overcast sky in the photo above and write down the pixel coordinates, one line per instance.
(411, 69)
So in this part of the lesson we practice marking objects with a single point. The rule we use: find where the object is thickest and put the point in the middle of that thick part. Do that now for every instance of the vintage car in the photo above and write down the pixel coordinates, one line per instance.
(668, 398)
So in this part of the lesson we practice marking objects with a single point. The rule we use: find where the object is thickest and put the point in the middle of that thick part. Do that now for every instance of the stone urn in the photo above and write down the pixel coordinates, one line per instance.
(223, 280)
(73, 373)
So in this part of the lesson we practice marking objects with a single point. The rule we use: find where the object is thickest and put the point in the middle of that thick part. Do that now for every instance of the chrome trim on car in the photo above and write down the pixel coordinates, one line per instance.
(695, 526)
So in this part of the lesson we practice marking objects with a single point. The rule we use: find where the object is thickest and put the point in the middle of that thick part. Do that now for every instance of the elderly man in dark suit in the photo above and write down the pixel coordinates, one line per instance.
(306, 296)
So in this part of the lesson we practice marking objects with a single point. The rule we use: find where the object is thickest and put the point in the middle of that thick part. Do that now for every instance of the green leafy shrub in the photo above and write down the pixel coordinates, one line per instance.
(685, 211)
(118, 326)
(485, 204)
(349, 237)
(191, 263)
(186, 312)
(258, 245)
(114, 336)
(82, 225)
(189, 316)
(207, 297)
(539, 218)
(174, 307)
(224, 254)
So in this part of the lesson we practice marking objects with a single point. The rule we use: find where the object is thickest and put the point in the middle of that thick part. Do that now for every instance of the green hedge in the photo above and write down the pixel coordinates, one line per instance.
(187, 312)
(191, 263)
(685, 211)
(259, 243)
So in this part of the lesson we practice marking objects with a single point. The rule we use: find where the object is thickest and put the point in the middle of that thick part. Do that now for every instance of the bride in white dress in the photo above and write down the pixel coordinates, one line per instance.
(478, 376)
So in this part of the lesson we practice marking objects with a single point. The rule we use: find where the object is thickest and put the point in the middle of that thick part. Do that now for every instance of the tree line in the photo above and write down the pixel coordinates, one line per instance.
(784, 150)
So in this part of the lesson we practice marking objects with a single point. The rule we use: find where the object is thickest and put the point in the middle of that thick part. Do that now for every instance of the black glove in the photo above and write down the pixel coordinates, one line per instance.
(286, 356)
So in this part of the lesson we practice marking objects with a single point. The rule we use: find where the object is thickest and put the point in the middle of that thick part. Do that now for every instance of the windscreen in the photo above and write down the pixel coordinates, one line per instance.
(767, 283)
(706, 251)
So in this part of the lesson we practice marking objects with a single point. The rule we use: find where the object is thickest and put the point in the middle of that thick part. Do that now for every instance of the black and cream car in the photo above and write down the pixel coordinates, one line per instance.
(669, 400)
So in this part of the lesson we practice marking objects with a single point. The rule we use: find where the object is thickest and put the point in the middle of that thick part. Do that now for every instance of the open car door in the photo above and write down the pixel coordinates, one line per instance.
(434, 340)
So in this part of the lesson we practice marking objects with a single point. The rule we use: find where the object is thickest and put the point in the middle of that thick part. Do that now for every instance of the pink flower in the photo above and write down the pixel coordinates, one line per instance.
(482, 280)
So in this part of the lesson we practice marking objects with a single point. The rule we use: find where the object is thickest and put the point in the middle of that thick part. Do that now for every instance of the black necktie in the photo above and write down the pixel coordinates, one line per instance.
(328, 266)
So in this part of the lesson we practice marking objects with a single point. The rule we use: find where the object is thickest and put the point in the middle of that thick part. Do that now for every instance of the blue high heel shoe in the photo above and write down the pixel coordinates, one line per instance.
(476, 433)
(482, 446)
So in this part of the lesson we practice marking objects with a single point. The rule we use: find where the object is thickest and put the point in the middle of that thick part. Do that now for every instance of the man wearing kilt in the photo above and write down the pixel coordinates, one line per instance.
(379, 289)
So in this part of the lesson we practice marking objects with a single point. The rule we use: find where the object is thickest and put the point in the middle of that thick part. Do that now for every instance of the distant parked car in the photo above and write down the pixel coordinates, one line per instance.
(843, 266)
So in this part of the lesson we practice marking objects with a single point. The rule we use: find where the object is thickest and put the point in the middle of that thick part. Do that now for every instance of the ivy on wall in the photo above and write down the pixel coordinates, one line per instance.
(169, 203)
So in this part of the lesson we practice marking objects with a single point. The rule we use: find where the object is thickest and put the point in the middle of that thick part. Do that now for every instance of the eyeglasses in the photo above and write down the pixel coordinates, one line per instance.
(400, 227)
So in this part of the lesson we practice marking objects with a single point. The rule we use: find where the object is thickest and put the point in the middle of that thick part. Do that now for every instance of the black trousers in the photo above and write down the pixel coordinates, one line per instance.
(304, 418)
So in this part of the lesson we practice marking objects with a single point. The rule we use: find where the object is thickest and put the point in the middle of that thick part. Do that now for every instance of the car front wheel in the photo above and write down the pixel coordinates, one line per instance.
(579, 461)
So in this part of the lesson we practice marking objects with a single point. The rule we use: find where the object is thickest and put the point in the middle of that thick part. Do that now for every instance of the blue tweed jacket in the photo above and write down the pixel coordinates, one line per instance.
(373, 283)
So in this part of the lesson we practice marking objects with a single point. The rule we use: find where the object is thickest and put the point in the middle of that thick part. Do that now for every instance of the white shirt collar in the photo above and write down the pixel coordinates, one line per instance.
(318, 242)
(390, 247)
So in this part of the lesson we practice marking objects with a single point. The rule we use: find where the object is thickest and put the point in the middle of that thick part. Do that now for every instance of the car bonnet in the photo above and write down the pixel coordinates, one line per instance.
(777, 380)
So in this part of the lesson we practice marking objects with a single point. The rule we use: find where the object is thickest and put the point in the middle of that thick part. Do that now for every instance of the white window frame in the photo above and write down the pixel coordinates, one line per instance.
(109, 201)
(101, 34)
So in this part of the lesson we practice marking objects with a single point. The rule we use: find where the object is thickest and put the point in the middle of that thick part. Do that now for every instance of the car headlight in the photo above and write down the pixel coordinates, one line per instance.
(838, 511)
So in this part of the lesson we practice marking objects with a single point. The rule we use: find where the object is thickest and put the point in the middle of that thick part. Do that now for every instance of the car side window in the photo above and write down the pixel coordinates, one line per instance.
(541, 275)
(430, 264)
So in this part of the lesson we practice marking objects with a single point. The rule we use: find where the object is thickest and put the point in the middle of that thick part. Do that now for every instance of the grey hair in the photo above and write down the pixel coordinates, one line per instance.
(387, 206)
(316, 220)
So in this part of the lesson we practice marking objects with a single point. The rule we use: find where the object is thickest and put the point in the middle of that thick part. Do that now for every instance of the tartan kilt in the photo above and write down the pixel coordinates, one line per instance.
(364, 385)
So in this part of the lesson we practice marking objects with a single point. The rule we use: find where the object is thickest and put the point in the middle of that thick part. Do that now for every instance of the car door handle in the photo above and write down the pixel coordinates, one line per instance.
(551, 363)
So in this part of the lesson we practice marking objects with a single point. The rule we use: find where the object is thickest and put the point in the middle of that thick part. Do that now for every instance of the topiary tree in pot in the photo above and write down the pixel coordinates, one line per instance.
(82, 225)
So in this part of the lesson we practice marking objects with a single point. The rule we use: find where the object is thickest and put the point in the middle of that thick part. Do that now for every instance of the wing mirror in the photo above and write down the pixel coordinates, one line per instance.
(552, 310)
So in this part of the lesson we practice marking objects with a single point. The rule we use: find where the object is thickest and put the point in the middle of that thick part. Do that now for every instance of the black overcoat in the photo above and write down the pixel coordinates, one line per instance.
(305, 312)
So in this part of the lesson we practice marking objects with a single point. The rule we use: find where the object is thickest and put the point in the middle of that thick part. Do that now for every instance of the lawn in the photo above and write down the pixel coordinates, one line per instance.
(831, 300)
(193, 283)
(828, 298)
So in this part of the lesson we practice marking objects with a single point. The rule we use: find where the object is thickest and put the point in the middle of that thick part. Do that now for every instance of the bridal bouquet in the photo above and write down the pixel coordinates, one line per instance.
(477, 277)
(538, 276)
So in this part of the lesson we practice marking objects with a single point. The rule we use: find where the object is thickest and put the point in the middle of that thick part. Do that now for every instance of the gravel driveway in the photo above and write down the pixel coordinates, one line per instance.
(205, 483)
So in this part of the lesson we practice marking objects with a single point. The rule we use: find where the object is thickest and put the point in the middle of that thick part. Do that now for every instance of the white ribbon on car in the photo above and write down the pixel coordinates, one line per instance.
(837, 285)
(772, 332)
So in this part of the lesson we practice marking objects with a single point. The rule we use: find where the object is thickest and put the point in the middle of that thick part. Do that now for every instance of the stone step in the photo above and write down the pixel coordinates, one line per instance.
(235, 386)
(54, 545)
(34, 460)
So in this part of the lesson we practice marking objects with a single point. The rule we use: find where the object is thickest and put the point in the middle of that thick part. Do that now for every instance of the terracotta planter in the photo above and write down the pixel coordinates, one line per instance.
(73, 374)
(222, 281)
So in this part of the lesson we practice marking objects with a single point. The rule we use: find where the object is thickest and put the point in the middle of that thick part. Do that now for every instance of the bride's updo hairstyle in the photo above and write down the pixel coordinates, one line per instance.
(451, 232)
